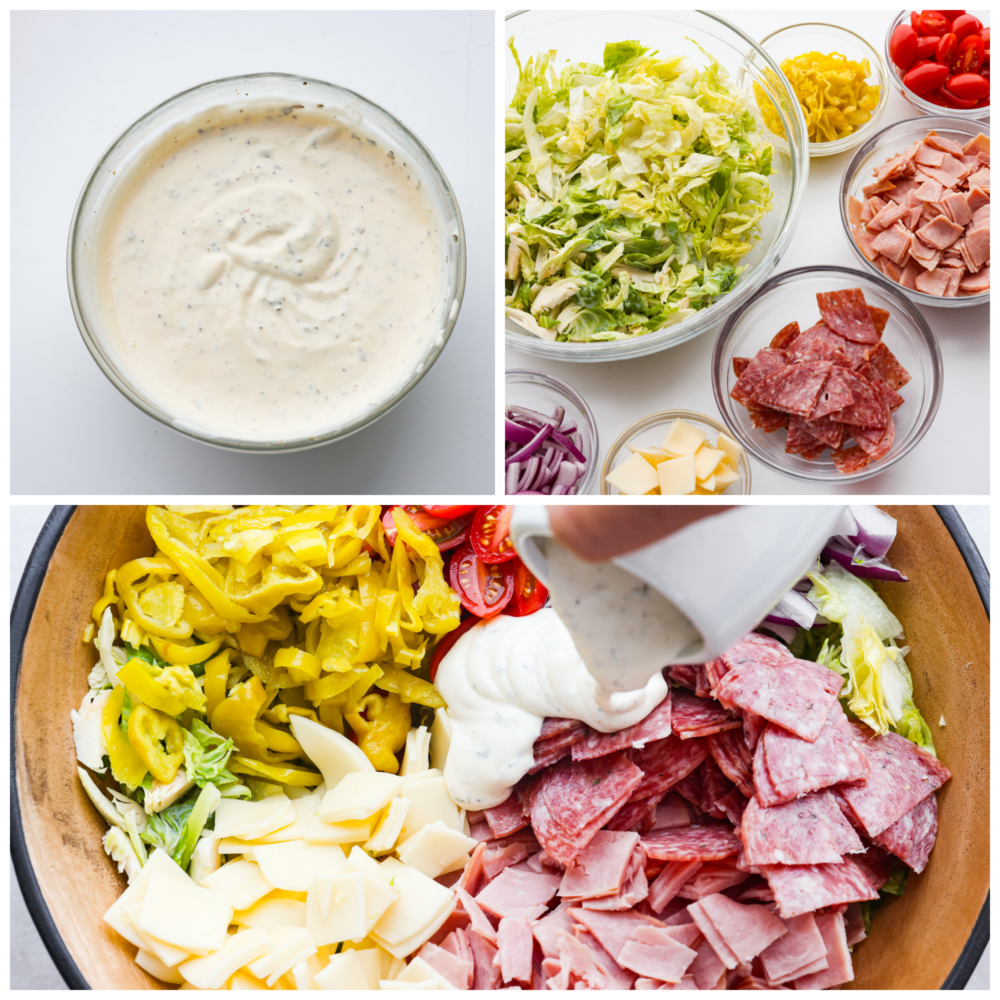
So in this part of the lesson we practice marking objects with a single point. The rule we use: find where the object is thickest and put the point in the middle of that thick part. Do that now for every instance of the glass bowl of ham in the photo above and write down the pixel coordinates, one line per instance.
(940, 255)
(909, 359)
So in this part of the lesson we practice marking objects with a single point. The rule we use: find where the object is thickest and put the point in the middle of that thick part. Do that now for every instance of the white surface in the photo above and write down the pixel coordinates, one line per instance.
(950, 457)
(77, 80)
(30, 963)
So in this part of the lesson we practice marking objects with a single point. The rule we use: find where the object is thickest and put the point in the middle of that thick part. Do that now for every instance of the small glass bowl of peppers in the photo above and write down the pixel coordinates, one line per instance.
(941, 59)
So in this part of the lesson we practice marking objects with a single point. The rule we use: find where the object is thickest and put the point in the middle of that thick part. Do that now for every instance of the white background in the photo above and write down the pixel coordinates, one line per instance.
(78, 79)
(952, 456)
(31, 967)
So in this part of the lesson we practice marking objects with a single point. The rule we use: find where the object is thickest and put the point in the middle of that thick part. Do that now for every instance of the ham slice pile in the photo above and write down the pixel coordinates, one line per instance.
(830, 384)
(725, 842)
(925, 221)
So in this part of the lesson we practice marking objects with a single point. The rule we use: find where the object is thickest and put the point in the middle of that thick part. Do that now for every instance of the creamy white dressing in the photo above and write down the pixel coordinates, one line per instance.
(270, 274)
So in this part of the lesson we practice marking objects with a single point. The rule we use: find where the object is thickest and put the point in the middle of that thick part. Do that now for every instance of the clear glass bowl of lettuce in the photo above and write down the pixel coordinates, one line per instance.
(645, 199)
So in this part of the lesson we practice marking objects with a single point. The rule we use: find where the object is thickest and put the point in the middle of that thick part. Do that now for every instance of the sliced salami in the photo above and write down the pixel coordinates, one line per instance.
(903, 775)
(795, 694)
(763, 364)
(767, 420)
(799, 440)
(846, 312)
(553, 748)
(809, 831)
(656, 726)
(506, 818)
(684, 674)
(730, 752)
(911, 838)
(866, 409)
(801, 889)
(826, 429)
(793, 389)
(665, 762)
(733, 806)
(702, 842)
(850, 460)
(693, 716)
(785, 336)
(714, 786)
(884, 361)
(876, 865)
(740, 366)
(856, 354)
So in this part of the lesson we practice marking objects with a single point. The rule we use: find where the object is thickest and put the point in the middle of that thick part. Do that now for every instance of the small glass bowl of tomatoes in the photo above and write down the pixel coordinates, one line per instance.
(941, 60)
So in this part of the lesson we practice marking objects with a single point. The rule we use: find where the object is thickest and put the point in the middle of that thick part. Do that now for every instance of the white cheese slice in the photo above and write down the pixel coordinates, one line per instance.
(168, 954)
(359, 796)
(242, 879)
(733, 449)
(633, 477)
(725, 475)
(244, 981)
(212, 971)
(333, 754)
(233, 845)
(379, 895)
(272, 912)
(305, 972)
(419, 904)
(419, 970)
(289, 946)
(344, 972)
(351, 831)
(677, 476)
(682, 438)
(371, 964)
(185, 916)
(429, 801)
(390, 826)
(291, 866)
(416, 755)
(250, 820)
(306, 808)
(440, 738)
(706, 461)
(335, 908)
(433, 848)
(411, 944)
(148, 961)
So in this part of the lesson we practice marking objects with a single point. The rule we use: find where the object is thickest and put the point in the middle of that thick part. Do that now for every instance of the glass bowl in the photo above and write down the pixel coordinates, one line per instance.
(651, 430)
(539, 391)
(924, 106)
(581, 35)
(882, 146)
(787, 43)
(791, 295)
(98, 195)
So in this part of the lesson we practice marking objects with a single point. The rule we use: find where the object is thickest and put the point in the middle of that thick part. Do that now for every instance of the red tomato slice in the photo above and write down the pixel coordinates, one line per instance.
(970, 56)
(951, 100)
(447, 641)
(927, 48)
(923, 79)
(484, 588)
(903, 46)
(947, 49)
(529, 592)
(449, 512)
(966, 24)
(490, 534)
(969, 87)
(932, 22)
(445, 534)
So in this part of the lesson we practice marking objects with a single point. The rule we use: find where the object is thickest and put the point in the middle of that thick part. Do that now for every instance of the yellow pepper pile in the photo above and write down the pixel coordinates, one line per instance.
(289, 611)
(832, 93)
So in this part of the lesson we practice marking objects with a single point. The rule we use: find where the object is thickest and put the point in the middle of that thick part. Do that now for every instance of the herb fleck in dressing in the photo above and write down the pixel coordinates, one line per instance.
(271, 273)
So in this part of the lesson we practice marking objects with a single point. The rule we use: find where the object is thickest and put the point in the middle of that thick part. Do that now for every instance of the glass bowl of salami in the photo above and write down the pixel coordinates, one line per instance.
(827, 374)
(915, 205)
(939, 60)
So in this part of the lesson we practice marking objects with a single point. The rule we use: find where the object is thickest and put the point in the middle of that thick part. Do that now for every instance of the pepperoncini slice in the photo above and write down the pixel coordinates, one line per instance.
(381, 729)
(410, 688)
(148, 730)
(184, 655)
(110, 597)
(280, 714)
(158, 607)
(201, 615)
(301, 666)
(127, 766)
(286, 774)
(216, 675)
(167, 689)
(235, 718)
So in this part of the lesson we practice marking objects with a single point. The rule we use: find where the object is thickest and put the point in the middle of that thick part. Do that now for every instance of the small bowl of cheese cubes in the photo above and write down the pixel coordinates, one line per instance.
(675, 453)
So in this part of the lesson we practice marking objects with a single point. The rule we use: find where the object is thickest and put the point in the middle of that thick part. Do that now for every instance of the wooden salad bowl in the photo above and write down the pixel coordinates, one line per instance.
(931, 938)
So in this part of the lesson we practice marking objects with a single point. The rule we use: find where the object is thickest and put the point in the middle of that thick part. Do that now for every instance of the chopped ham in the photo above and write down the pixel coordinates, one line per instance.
(457, 971)
(613, 930)
(514, 948)
(499, 856)
(708, 970)
(975, 283)
(793, 954)
(654, 952)
(936, 141)
(977, 241)
(940, 233)
(956, 207)
(893, 243)
(486, 975)
(930, 191)
(838, 956)
(977, 198)
(575, 965)
(744, 929)
(890, 214)
(601, 867)
(478, 920)
(670, 881)
(518, 893)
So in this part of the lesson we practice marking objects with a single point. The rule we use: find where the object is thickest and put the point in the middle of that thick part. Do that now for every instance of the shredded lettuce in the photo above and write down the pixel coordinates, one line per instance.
(176, 829)
(206, 754)
(641, 182)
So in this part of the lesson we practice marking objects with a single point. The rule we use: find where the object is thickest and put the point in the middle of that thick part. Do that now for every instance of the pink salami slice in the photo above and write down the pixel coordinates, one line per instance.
(552, 749)
(911, 838)
(793, 389)
(856, 354)
(866, 410)
(506, 818)
(801, 889)
(656, 726)
(850, 460)
(884, 361)
(846, 312)
(665, 762)
(799, 441)
(692, 716)
(714, 787)
(733, 806)
(702, 842)
(684, 674)
(766, 361)
(638, 815)
(730, 752)
(740, 365)
(885, 391)
(795, 694)
(834, 396)
(767, 420)
(827, 430)
(785, 336)
(809, 831)
(876, 866)
(793, 766)
(903, 775)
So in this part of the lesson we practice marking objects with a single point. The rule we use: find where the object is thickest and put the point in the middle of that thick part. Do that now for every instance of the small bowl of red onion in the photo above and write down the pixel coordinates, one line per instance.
(551, 444)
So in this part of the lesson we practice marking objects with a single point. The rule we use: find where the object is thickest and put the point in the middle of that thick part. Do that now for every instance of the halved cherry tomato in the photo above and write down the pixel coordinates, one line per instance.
(903, 46)
(490, 534)
(447, 641)
(947, 48)
(966, 24)
(923, 79)
(969, 86)
(927, 47)
(970, 55)
(914, 17)
(444, 533)
(484, 588)
(951, 100)
(932, 22)
(448, 512)
(530, 593)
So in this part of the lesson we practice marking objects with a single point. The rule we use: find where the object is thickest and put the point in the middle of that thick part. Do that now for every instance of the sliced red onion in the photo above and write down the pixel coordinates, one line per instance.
(516, 433)
(794, 609)
(513, 476)
(569, 445)
(870, 569)
(532, 446)
(870, 529)
(540, 453)
(784, 632)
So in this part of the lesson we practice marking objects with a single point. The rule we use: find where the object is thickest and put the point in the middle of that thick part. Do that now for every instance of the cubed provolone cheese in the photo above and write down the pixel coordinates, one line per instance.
(433, 848)
(419, 970)
(242, 879)
(344, 972)
(185, 916)
(677, 476)
(244, 981)
(706, 461)
(306, 808)
(416, 754)
(359, 796)
(212, 971)
(250, 820)
(271, 912)
(288, 947)
(390, 826)
(683, 438)
(351, 831)
(733, 450)
(148, 961)
(420, 902)
(440, 738)
(634, 477)
(379, 895)
(335, 755)
(170, 955)
(305, 972)
(291, 866)
(371, 963)
(335, 908)
(429, 801)
(725, 476)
